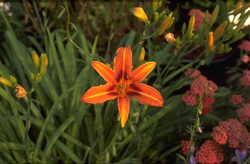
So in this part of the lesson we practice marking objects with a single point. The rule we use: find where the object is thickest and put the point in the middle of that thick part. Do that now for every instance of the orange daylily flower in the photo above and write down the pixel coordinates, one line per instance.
(123, 84)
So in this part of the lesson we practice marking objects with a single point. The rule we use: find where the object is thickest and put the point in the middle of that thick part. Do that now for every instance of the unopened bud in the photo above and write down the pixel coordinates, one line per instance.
(32, 75)
(35, 59)
(6, 82)
(13, 79)
(237, 37)
(154, 5)
(219, 30)
(240, 25)
(141, 57)
(227, 48)
(241, 9)
(210, 42)
(20, 92)
(239, 4)
(140, 14)
(178, 42)
(164, 24)
(44, 64)
(221, 49)
(190, 27)
(162, 14)
(214, 16)
(156, 17)
(38, 78)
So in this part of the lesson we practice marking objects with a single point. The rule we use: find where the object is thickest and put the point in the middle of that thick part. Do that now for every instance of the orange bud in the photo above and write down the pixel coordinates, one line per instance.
(219, 30)
(20, 92)
(164, 24)
(6, 82)
(210, 42)
(140, 14)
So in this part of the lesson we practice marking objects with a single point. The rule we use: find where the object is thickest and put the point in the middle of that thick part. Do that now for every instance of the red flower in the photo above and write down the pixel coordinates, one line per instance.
(245, 79)
(236, 99)
(244, 113)
(245, 45)
(123, 84)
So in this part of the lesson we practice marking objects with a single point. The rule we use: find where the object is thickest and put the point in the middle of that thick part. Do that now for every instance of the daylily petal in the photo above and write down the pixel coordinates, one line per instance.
(123, 106)
(106, 72)
(145, 94)
(141, 72)
(123, 63)
(100, 94)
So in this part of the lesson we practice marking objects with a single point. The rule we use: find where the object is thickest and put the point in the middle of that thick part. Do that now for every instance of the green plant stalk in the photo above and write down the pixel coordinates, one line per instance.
(68, 34)
(111, 33)
(138, 149)
(28, 122)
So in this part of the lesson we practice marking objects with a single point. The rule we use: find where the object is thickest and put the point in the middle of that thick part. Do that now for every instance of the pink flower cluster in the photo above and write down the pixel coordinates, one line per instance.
(185, 147)
(233, 132)
(244, 113)
(245, 79)
(199, 16)
(245, 45)
(245, 59)
(210, 153)
(194, 74)
(197, 88)
(236, 99)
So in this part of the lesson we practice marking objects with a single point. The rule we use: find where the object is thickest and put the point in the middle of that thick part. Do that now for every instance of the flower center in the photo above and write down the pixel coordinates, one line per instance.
(122, 87)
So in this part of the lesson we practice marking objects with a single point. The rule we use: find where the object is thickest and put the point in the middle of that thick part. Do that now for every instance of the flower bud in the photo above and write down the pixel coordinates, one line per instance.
(190, 28)
(241, 9)
(240, 25)
(239, 4)
(164, 24)
(32, 75)
(35, 59)
(141, 57)
(210, 42)
(38, 78)
(178, 42)
(13, 79)
(6, 82)
(214, 16)
(140, 14)
(227, 48)
(221, 49)
(162, 14)
(154, 5)
(237, 37)
(219, 30)
(44, 64)
(156, 17)
(20, 92)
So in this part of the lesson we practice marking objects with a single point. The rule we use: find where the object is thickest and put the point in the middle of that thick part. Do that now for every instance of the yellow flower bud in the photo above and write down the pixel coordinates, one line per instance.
(219, 30)
(141, 57)
(156, 17)
(240, 25)
(35, 59)
(154, 5)
(44, 64)
(32, 75)
(164, 24)
(239, 4)
(191, 26)
(140, 14)
(241, 9)
(210, 42)
(38, 78)
(13, 79)
(214, 16)
(6, 82)
(170, 37)
(20, 92)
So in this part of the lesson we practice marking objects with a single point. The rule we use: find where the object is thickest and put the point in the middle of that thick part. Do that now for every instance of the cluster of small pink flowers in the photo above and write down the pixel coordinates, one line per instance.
(197, 88)
(207, 101)
(233, 132)
(245, 45)
(185, 147)
(245, 80)
(236, 99)
(194, 74)
(210, 153)
(245, 59)
(244, 113)
(199, 16)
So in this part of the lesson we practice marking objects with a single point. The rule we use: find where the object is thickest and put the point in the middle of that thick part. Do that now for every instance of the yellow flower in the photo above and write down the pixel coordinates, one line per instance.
(20, 92)
(6, 82)
(140, 14)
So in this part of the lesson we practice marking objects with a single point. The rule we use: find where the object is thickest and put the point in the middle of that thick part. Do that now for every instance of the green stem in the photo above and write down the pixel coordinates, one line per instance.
(138, 148)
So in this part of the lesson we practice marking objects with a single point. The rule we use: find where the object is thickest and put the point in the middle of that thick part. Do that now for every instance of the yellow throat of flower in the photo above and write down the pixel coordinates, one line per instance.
(122, 87)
